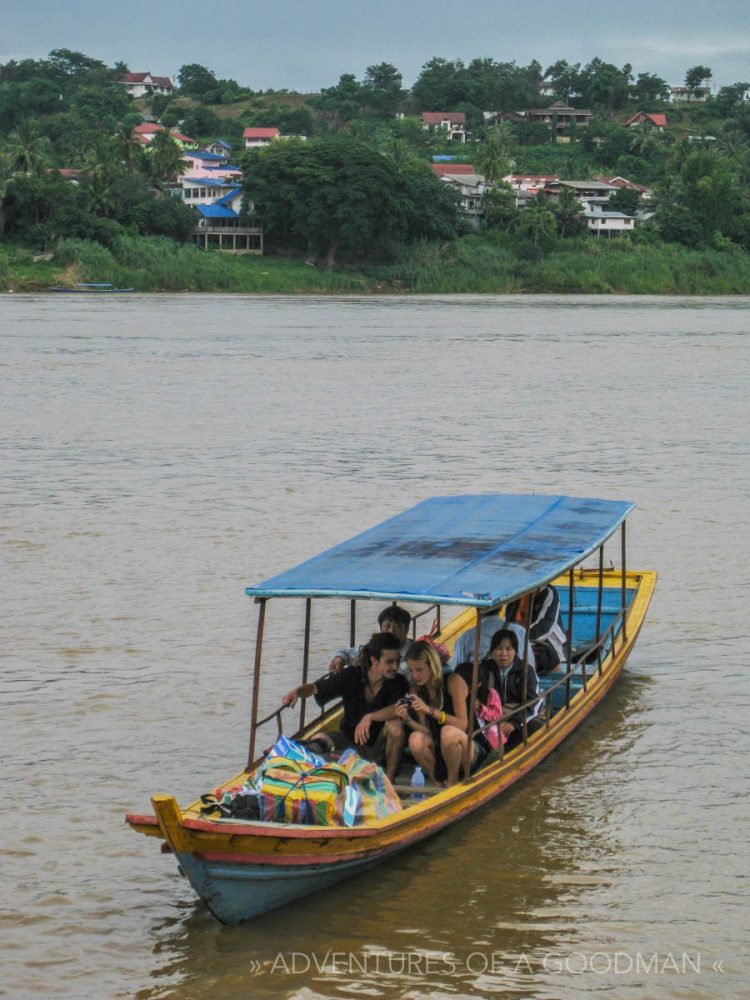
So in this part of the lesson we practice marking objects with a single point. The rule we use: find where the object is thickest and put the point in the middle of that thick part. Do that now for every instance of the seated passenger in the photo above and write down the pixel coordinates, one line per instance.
(547, 636)
(504, 651)
(369, 692)
(391, 619)
(437, 717)
(491, 621)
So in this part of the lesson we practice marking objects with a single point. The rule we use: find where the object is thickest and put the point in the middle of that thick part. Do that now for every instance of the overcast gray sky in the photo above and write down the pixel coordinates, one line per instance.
(307, 44)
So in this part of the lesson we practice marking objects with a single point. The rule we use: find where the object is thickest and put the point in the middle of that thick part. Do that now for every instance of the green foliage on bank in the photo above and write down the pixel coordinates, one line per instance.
(158, 264)
(470, 265)
(586, 266)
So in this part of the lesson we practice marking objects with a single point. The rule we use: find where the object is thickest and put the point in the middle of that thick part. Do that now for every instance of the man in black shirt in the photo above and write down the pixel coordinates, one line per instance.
(369, 690)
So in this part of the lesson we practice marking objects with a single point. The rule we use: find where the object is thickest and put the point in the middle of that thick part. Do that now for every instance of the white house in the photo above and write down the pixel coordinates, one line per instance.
(608, 224)
(689, 95)
(452, 122)
(144, 84)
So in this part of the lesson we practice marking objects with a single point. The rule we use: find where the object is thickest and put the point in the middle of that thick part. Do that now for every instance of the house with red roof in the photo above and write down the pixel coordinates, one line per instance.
(452, 169)
(255, 137)
(657, 121)
(452, 122)
(145, 132)
(145, 84)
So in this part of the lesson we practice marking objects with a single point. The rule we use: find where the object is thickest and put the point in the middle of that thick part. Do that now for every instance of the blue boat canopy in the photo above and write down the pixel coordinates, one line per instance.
(478, 551)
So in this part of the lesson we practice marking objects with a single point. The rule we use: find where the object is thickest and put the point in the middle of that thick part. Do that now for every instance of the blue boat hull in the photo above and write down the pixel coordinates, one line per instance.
(236, 892)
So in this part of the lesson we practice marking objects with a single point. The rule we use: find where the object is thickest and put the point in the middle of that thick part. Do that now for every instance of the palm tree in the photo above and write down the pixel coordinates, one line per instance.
(165, 154)
(569, 214)
(538, 223)
(492, 160)
(28, 148)
(644, 140)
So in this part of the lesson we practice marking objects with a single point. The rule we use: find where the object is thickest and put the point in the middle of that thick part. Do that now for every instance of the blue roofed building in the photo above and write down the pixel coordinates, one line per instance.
(221, 224)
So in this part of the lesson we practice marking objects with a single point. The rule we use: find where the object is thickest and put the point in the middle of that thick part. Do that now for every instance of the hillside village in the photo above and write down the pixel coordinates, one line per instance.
(213, 186)
(225, 164)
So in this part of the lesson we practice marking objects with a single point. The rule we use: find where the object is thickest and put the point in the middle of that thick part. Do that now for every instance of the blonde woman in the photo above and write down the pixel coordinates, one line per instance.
(437, 717)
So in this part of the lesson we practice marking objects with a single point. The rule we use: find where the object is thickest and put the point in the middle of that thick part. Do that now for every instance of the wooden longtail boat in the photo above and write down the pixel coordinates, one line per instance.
(476, 552)
(93, 287)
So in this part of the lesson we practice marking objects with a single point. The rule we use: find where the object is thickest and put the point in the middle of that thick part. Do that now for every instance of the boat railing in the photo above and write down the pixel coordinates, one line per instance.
(435, 627)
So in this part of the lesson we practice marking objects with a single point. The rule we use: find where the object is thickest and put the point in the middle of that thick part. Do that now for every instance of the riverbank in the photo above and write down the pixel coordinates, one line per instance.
(471, 265)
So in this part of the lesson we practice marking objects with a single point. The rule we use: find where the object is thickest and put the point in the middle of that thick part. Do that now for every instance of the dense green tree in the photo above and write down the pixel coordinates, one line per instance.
(165, 217)
(697, 77)
(499, 207)
(73, 68)
(171, 117)
(337, 199)
(731, 98)
(201, 121)
(603, 85)
(195, 80)
(439, 85)
(43, 207)
(624, 200)
(565, 79)
(430, 207)
(382, 89)
(344, 101)
(33, 98)
(649, 89)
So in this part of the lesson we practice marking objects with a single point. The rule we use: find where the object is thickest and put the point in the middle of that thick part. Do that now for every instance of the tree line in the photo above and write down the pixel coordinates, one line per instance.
(360, 187)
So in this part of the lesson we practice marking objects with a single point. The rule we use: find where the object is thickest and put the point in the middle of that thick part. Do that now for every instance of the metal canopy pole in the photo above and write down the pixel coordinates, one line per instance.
(599, 608)
(526, 644)
(571, 609)
(352, 621)
(624, 593)
(472, 697)
(256, 678)
(305, 659)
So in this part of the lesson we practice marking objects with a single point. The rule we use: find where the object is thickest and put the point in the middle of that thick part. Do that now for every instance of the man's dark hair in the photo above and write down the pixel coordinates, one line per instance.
(393, 613)
(379, 642)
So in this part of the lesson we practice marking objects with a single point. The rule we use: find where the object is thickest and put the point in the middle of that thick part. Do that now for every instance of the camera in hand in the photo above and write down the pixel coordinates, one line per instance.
(406, 700)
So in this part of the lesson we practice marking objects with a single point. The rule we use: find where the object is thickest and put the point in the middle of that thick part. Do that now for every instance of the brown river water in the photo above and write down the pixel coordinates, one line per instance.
(160, 453)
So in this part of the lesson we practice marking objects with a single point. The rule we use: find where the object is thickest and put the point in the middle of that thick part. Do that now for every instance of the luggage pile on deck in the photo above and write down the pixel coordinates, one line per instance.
(295, 785)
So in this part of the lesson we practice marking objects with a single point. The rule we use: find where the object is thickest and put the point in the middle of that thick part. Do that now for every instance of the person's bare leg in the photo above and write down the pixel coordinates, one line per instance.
(420, 745)
(452, 746)
(394, 747)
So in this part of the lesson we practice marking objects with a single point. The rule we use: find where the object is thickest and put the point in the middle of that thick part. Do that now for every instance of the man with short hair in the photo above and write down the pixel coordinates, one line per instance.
(369, 691)
(393, 619)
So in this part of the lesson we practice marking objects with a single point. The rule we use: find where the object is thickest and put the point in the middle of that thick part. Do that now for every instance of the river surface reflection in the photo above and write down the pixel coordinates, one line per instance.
(159, 453)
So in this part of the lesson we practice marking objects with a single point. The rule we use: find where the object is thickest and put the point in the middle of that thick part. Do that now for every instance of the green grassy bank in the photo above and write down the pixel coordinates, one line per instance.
(473, 264)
